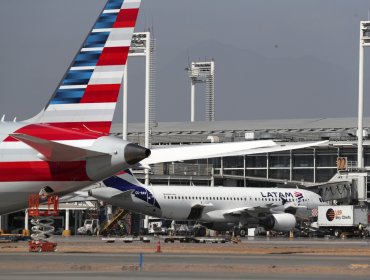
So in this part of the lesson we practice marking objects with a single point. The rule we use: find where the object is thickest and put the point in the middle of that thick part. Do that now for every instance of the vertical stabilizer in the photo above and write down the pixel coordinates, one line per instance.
(87, 95)
(123, 181)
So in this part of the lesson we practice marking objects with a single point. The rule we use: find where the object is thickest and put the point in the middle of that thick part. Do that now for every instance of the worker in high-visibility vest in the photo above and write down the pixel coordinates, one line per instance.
(361, 228)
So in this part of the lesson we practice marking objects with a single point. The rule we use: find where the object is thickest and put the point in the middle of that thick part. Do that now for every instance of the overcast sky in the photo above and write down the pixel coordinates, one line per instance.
(274, 58)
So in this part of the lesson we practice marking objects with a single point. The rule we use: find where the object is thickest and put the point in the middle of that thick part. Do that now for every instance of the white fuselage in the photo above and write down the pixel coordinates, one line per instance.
(215, 204)
(24, 172)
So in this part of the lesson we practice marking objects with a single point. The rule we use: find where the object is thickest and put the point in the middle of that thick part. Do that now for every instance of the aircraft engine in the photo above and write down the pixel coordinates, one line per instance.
(279, 222)
(120, 156)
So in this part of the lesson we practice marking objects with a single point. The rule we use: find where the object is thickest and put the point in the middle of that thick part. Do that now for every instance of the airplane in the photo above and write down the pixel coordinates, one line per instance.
(67, 145)
(219, 208)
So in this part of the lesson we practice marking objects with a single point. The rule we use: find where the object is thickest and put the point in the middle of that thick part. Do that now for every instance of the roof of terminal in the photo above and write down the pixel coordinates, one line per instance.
(319, 125)
(288, 129)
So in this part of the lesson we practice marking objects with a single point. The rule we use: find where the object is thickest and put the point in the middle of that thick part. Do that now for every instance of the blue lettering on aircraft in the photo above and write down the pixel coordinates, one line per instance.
(277, 195)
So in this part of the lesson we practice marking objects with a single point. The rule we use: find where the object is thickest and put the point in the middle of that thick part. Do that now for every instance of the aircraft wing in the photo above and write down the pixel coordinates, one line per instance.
(54, 151)
(291, 207)
(198, 205)
(252, 211)
(261, 211)
(213, 150)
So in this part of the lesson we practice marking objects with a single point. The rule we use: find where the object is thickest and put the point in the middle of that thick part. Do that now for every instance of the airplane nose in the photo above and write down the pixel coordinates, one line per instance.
(134, 153)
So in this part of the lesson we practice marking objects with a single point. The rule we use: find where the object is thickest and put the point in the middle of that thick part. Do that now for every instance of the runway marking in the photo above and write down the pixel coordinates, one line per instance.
(359, 266)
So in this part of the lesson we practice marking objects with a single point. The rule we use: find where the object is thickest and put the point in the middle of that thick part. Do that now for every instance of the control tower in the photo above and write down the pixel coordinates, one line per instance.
(203, 72)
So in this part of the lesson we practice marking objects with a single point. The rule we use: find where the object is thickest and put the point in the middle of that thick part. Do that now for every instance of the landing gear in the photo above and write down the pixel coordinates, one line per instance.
(200, 231)
(337, 233)
(242, 232)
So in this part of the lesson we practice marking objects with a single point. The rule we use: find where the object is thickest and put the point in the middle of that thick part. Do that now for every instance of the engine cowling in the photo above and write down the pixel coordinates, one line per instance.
(279, 222)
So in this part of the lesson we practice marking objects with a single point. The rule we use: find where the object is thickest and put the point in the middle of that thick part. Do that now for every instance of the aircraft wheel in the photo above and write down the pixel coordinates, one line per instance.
(242, 232)
(236, 231)
(337, 233)
(202, 232)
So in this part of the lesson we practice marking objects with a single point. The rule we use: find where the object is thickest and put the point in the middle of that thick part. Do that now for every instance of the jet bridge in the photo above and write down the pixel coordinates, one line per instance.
(348, 186)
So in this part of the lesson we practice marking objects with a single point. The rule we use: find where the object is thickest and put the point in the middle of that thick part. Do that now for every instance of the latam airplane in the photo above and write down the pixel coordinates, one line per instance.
(67, 145)
(219, 208)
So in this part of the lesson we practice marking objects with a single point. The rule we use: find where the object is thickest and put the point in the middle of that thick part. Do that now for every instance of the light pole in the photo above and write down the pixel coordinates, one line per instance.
(364, 42)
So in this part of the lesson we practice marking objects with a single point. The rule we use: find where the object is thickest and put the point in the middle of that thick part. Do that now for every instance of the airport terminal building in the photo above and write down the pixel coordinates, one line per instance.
(302, 166)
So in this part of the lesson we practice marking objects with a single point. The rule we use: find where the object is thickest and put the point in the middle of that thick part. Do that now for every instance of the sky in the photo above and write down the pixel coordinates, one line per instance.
(274, 59)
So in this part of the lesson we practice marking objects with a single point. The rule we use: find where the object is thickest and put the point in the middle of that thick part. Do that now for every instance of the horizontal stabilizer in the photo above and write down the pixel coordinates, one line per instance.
(54, 151)
(213, 150)
(276, 148)
(79, 196)
(189, 152)
(123, 195)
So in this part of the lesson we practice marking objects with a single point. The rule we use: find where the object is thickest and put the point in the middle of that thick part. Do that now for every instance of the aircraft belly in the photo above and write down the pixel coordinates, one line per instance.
(178, 212)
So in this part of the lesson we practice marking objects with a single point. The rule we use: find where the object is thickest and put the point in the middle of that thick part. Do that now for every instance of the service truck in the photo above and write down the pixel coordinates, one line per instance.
(342, 220)
(90, 227)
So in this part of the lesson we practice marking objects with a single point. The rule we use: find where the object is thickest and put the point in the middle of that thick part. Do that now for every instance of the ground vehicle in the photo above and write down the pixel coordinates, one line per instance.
(90, 227)
(157, 230)
(342, 220)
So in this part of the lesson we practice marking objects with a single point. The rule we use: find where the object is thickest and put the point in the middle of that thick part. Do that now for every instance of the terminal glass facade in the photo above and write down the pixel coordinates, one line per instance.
(311, 165)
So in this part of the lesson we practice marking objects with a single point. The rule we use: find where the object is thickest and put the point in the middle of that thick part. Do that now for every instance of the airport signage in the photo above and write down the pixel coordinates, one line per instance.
(336, 215)
(342, 164)
(341, 215)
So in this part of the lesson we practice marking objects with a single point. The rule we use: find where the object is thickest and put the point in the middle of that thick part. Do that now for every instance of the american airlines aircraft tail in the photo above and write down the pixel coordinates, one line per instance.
(67, 145)
(86, 97)
(218, 207)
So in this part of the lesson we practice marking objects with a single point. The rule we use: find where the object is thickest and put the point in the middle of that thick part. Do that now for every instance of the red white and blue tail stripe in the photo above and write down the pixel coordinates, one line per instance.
(87, 95)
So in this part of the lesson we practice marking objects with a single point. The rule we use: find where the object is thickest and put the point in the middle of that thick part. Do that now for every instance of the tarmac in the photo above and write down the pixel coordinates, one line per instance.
(250, 258)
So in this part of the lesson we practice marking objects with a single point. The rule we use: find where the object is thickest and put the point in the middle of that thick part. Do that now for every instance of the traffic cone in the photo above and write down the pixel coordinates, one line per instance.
(159, 247)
